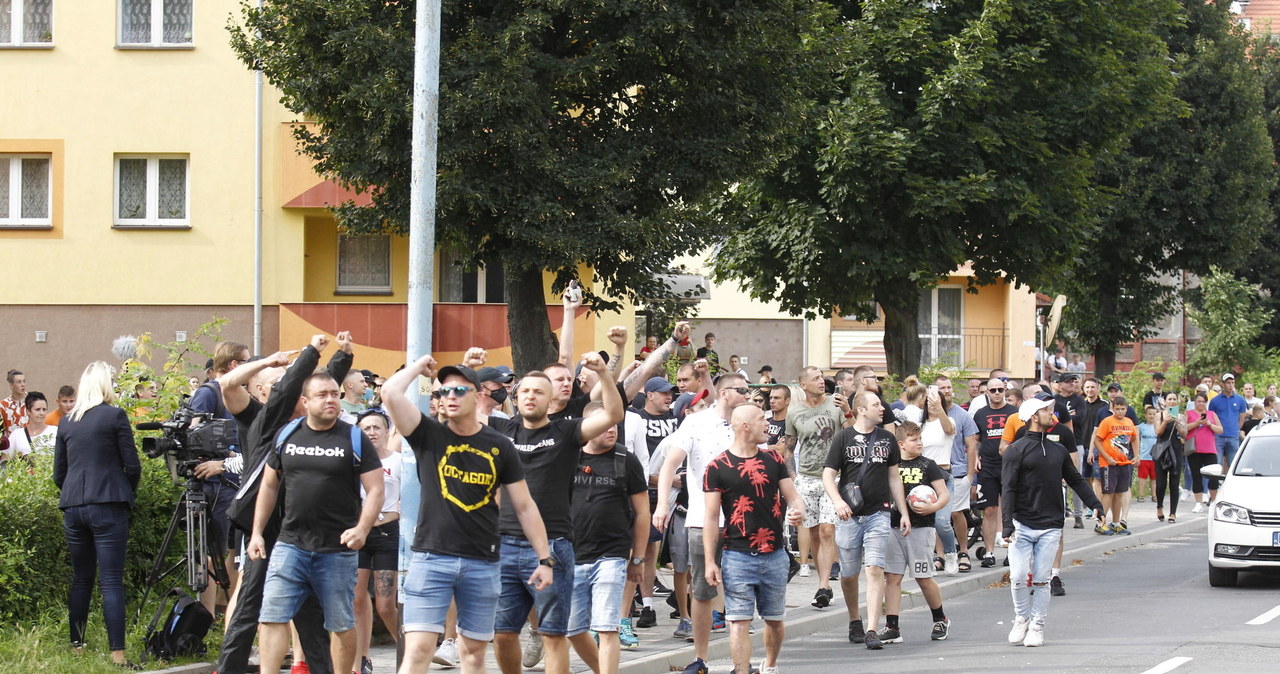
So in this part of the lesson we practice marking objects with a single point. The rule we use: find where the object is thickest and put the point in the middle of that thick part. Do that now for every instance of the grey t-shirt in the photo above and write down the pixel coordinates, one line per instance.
(813, 428)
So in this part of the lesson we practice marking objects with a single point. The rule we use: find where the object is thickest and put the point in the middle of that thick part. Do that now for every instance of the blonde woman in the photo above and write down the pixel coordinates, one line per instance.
(95, 465)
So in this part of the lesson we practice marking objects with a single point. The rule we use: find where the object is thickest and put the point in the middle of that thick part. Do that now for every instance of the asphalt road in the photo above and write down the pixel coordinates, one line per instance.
(1146, 609)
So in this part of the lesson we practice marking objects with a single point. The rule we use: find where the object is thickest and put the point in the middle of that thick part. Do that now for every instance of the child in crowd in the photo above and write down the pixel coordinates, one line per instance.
(1146, 466)
(1114, 444)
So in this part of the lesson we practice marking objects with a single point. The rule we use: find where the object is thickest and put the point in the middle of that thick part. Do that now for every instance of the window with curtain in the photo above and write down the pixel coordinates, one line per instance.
(483, 285)
(364, 263)
(25, 190)
(156, 22)
(152, 191)
(939, 321)
(26, 22)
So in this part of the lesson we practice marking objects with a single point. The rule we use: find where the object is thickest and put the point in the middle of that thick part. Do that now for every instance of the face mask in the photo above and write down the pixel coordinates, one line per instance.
(499, 395)
(368, 395)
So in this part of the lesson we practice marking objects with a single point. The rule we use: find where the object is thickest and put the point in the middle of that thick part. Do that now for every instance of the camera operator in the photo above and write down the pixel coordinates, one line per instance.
(259, 422)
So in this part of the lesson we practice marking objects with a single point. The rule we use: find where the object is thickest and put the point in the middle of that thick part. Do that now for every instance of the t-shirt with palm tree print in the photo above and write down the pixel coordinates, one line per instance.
(750, 499)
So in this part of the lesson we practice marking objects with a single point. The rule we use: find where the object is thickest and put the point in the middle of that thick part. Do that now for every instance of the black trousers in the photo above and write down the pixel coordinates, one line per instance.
(237, 642)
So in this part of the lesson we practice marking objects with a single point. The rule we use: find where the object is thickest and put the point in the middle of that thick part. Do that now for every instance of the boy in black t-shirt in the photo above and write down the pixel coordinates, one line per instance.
(911, 554)
(461, 465)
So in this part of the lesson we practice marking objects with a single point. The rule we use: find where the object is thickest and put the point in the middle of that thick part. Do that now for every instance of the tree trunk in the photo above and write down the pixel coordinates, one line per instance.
(901, 334)
(1104, 355)
(532, 342)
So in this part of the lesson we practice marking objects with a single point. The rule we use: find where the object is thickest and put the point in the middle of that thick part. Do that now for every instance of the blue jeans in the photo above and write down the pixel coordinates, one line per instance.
(435, 580)
(862, 541)
(518, 561)
(97, 534)
(597, 595)
(1227, 447)
(293, 574)
(942, 523)
(754, 582)
(1031, 552)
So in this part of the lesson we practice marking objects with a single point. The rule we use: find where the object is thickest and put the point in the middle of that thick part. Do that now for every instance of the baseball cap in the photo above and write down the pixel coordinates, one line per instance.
(493, 374)
(1158, 375)
(1227, 376)
(369, 375)
(1068, 376)
(658, 385)
(459, 370)
(1032, 405)
(1116, 386)
(766, 368)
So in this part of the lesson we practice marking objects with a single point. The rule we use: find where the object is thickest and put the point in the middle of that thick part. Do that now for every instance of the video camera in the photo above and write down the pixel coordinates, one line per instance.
(188, 438)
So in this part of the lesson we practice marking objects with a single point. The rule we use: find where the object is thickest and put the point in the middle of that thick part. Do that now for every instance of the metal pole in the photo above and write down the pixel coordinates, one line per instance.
(257, 209)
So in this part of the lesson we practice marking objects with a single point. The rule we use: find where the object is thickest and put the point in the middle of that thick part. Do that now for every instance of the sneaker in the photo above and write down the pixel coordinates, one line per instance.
(941, 630)
(988, 562)
(1019, 631)
(1079, 523)
(674, 615)
(857, 633)
(1055, 587)
(768, 670)
(1035, 636)
(1102, 530)
(951, 563)
(626, 635)
(822, 598)
(1183, 496)
(804, 571)
(718, 623)
(366, 665)
(1199, 508)
(671, 601)
(648, 618)
(684, 630)
(300, 668)
(447, 654)
(697, 667)
(890, 635)
(532, 650)
(872, 641)
(1006, 561)
(1121, 529)
(659, 588)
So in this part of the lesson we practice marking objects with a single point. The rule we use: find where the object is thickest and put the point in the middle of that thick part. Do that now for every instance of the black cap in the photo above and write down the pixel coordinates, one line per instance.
(1067, 376)
(369, 376)
(464, 372)
(1158, 375)
(494, 374)
(764, 369)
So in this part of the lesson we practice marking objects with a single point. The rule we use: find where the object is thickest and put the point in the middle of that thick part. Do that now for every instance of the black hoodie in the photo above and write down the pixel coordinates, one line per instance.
(1032, 473)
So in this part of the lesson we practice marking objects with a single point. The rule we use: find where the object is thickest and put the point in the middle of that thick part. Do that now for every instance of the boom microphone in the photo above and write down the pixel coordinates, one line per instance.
(150, 426)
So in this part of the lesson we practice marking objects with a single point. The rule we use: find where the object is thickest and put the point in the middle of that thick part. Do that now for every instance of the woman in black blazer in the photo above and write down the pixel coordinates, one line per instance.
(95, 465)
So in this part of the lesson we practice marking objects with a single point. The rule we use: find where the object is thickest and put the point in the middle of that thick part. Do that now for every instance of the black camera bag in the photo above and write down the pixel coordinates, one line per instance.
(182, 633)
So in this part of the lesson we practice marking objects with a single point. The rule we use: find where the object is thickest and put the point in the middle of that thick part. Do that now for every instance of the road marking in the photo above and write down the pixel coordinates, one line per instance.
(1168, 665)
(1266, 617)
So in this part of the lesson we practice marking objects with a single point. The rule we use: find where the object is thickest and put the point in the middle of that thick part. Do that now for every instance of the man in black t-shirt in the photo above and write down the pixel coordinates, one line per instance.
(653, 422)
(548, 450)
(611, 527)
(461, 465)
(867, 456)
(747, 486)
(325, 464)
(991, 421)
(779, 402)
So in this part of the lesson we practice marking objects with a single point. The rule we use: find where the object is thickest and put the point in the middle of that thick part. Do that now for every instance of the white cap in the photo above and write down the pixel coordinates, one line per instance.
(1030, 406)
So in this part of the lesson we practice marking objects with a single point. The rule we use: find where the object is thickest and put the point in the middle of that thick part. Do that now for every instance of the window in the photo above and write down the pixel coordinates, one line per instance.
(26, 190)
(364, 264)
(156, 23)
(151, 191)
(483, 285)
(938, 321)
(26, 23)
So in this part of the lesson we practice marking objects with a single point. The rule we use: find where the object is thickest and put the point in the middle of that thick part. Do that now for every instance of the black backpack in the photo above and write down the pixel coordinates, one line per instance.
(186, 623)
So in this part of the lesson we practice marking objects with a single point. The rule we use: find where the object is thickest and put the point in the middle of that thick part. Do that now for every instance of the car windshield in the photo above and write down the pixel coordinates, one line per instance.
(1259, 457)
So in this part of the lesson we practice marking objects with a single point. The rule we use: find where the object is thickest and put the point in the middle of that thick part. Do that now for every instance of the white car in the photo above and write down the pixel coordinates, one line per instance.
(1244, 523)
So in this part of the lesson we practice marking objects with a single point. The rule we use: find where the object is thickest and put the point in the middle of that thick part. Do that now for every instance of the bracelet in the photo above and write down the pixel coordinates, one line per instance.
(848, 415)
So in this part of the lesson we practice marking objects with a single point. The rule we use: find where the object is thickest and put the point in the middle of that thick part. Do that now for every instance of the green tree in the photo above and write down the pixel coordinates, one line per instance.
(571, 132)
(953, 132)
(1263, 266)
(1190, 190)
(1231, 319)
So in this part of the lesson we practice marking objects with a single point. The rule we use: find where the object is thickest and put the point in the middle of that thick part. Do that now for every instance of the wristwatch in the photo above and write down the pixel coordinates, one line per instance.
(548, 562)
(637, 561)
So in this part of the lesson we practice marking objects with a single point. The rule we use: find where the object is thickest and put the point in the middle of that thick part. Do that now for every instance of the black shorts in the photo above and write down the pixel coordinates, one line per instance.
(988, 495)
(654, 534)
(381, 551)
(1115, 479)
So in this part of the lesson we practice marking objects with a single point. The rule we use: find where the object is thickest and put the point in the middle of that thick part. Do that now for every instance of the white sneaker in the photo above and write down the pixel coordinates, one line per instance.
(1199, 508)
(1035, 636)
(951, 563)
(532, 650)
(1001, 542)
(1183, 496)
(447, 654)
(1019, 631)
(804, 571)
(768, 670)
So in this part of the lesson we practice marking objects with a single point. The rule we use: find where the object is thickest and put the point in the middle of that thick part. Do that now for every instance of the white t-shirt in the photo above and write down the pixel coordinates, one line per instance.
(703, 436)
(937, 444)
(391, 470)
(40, 444)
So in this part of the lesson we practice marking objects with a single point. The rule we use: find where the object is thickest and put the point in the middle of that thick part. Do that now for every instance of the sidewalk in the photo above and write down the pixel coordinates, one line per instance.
(659, 652)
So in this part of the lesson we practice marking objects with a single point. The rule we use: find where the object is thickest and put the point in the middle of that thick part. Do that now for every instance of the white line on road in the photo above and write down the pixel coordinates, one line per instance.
(1168, 666)
(1266, 617)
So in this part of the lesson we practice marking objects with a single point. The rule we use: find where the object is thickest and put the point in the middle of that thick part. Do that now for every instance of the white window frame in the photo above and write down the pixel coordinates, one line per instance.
(157, 29)
(14, 218)
(152, 218)
(340, 289)
(17, 27)
(933, 336)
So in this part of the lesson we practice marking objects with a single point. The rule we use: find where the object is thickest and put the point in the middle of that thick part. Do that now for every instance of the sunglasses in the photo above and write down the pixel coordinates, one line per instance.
(742, 390)
(995, 390)
(455, 391)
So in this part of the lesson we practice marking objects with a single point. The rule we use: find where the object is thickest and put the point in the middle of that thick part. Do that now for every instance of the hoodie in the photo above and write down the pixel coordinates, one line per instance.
(1032, 472)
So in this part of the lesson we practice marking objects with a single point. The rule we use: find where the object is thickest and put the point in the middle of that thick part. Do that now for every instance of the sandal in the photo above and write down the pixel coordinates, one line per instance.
(938, 564)
(1160, 514)
(1172, 519)
(964, 565)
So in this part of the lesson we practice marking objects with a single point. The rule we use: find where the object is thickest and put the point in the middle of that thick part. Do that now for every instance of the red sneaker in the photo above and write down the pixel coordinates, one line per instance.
(300, 668)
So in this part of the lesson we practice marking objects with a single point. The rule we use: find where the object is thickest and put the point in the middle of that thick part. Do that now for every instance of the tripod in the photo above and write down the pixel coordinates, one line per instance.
(192, 511)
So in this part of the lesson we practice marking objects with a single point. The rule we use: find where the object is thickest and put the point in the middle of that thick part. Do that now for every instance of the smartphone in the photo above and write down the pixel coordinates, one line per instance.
(575, 290)
(933, 389)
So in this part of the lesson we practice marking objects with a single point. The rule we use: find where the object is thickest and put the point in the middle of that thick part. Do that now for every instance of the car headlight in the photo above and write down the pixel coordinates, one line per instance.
(1230, 512)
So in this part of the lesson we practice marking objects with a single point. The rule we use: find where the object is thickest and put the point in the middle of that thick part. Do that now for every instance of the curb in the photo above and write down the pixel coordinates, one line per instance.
(193, 668)
(676, 659)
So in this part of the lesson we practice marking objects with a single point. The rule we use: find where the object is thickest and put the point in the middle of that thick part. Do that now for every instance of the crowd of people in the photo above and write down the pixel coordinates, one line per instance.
(548, 501)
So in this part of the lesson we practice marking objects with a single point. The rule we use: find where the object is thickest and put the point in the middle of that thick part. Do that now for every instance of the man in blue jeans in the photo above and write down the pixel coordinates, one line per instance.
(1231, 409)
(747, 485)
(1032, 472)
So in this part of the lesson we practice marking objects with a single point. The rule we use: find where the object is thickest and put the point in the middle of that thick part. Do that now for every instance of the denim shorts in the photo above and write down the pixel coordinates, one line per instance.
(862, 541)
(597, 595)
(754, 583)
(294, 573)
(518, 561)
(435, 580)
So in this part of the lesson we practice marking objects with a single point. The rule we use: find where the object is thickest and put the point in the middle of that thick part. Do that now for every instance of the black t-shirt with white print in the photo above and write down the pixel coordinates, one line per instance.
(656, 427)
(991, 423)
(460, 476)
(776, 429)
(322, 498)
(850, 448)
(550, 458)
(750, 499)
(602, 517)
(915, 472)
